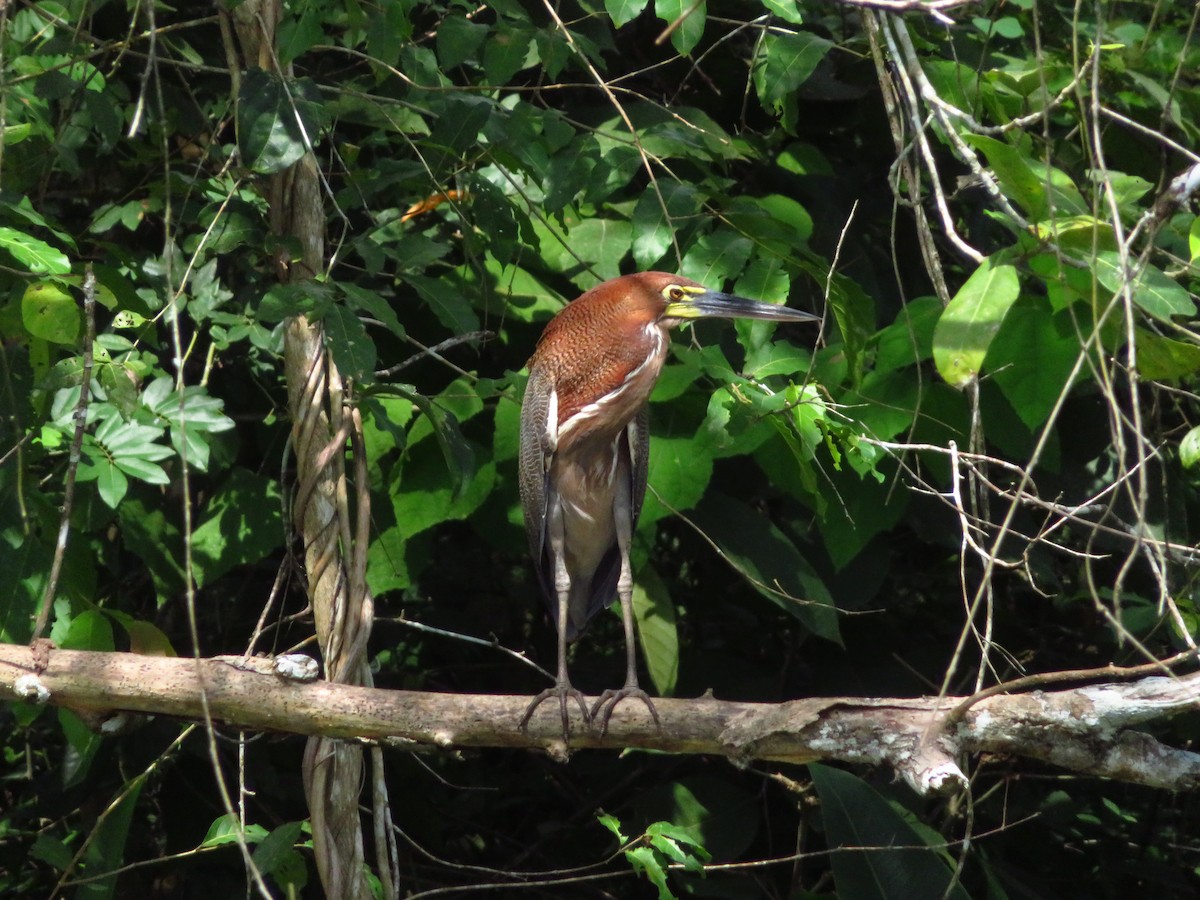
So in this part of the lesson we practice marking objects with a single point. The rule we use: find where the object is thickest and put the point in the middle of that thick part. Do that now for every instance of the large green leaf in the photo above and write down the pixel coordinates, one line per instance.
(769, 561)
(35, 254)
(1031, 358)
(1157, 294)
(106, 852)
(658, 218)
(970, 321)
(884, 857)
(688, 17)
(50, 313)
(351, 346)
(506, 52)
(1165, 359)
(1040, 190)
(242, 523)
(458, 39)
(447, 302)
(680, 469)
(654, 613)
(623, 11)
(784, 63)
(278, 121)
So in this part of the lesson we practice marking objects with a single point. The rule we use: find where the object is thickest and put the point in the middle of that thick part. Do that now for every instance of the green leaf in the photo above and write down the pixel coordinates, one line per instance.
(111, 483)
(277, 121)
(277, 847)
(144, 637)
(769, 561)
(106, 851)
(458, 39)
(705, 813)
(351, 346)
(857, 510)
(447, 302)
(38, 256)
(654, 229)
(659, 639)
(1029, 182)
(784, 62)
(1194, 240)
(970, 322)
(225, 830)
(624, 11)
(1157, 294)
(1031, 358)
(425, 493)
(51, 851)
(788, 10)
(297, 34)
(646, 862)
(242, 523)
(460, 124)
(50, 313)
(1165, 359)
(679, 472)
(613, 824)
(688, 16)
(139, 468)
(157, 542)
(601, 243)
(90, 630)
(909, 339)
(896, 865)
(1189, 448)
(506, 53)
(192, 413)
(457, 453)
(717, 257)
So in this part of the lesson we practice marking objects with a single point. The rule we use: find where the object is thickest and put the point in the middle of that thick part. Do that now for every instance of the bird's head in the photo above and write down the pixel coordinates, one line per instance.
(675, 300)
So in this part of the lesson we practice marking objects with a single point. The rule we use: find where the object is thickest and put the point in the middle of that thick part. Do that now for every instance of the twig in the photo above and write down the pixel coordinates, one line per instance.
(436, 350)
(81, 409)
(1030, 682)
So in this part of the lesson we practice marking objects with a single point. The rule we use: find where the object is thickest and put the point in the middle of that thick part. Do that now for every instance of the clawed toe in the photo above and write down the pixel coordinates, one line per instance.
(562, 691)
(608, 701)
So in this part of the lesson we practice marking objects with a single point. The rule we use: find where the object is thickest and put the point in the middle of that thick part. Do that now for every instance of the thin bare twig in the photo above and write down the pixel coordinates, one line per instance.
(80, 416)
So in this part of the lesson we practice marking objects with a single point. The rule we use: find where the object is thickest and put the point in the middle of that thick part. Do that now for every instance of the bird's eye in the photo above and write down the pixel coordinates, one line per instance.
(675, 293)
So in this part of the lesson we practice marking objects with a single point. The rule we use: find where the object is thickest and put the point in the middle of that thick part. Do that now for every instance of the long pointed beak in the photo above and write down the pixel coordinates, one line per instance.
(715, 304)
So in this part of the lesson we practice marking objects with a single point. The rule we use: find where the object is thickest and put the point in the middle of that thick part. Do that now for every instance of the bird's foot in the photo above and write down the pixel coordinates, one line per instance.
(608, 701)
(564, 692)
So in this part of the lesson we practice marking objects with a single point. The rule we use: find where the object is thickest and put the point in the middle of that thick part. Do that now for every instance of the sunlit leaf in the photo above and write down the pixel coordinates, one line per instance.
(36, 255)
(654, 613)
(970, 321)
(1157, 294)
(50, 313)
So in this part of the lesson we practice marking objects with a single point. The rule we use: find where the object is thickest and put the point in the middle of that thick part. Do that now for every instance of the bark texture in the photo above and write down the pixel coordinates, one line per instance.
(1088, 730)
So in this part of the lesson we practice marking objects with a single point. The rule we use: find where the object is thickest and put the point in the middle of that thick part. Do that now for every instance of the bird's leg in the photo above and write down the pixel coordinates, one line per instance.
(562, 684)
(608, 701)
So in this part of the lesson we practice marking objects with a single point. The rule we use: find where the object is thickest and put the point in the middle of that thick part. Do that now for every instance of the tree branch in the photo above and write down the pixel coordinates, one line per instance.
(1085, 730)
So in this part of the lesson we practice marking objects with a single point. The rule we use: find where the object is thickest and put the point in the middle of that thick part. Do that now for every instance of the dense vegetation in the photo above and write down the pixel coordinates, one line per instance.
(978, 201)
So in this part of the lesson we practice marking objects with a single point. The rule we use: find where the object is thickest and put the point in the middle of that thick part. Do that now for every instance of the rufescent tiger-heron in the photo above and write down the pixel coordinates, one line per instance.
(584, 445)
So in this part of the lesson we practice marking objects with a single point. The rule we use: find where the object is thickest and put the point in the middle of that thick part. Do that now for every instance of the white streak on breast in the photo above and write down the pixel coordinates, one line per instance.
(551, 432)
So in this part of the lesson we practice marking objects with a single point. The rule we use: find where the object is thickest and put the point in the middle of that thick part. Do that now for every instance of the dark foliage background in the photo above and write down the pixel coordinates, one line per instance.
(804, 535)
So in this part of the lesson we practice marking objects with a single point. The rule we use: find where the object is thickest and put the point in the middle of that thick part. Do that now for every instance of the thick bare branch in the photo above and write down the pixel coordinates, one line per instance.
(1085, 730)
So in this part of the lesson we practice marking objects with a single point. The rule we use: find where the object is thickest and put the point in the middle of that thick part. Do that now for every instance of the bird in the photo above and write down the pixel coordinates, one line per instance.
(584, 445)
